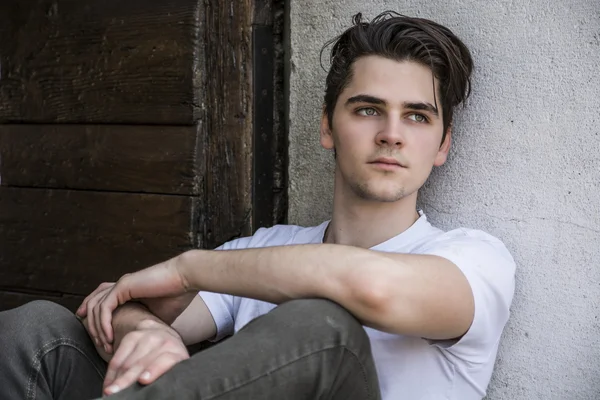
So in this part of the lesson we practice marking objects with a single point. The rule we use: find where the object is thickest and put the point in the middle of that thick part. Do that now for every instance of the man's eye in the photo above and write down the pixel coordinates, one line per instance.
(418, 118)
(367, 112)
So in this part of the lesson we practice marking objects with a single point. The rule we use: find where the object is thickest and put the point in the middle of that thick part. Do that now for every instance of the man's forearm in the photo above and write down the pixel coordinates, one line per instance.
(277, 274)
(418, 295)
(127, 318)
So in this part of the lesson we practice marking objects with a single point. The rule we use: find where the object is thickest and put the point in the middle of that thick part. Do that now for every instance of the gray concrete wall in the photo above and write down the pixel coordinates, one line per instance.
(525, 166)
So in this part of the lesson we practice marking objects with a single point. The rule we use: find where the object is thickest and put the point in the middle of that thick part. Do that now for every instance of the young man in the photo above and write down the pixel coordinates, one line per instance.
(375, 303)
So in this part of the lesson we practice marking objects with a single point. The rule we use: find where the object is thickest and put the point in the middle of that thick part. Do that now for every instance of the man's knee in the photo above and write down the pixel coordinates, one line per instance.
(44, 310)
(324, 318)
(40, 317)
(317, 310)
(43, 307)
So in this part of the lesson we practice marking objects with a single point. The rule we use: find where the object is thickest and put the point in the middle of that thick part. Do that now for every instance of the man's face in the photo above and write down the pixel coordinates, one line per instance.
(386, 129)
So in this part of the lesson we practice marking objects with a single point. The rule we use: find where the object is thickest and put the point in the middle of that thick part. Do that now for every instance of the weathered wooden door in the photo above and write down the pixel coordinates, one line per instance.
(131, 131)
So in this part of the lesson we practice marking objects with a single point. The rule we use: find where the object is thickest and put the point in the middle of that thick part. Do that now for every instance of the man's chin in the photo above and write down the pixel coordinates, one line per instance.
(382, 196)
(387, 198)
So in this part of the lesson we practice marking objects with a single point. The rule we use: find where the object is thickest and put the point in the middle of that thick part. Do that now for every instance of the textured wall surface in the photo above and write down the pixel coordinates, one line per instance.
(525, 167)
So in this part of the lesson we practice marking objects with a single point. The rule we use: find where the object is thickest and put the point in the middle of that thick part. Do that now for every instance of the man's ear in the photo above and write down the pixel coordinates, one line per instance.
(442, 154)
(326, 136)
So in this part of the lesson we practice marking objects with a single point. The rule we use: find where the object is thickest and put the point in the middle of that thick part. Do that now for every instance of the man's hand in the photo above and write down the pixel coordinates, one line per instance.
(87, 312)
(99, 348)
(143, 355)
(97, 307)
(145, 347)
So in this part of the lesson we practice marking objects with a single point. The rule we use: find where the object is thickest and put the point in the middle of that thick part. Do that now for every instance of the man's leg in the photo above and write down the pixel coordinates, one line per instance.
(46, 353)
(303, 349)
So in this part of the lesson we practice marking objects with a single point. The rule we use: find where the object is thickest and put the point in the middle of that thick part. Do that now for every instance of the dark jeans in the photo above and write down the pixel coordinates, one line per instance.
(303, 349)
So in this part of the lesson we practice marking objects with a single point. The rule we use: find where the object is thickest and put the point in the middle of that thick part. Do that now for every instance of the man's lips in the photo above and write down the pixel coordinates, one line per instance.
(387, 161)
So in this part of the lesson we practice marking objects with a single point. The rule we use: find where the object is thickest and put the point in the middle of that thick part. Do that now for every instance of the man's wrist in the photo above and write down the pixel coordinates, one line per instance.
(128, 317)
(187, 265)
(157, 324)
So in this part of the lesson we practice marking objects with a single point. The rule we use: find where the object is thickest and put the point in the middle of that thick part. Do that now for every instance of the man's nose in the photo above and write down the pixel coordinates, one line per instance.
(391, 134)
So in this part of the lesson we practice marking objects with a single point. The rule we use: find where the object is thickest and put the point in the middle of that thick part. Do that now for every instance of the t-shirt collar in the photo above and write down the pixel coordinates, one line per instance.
(417, 229)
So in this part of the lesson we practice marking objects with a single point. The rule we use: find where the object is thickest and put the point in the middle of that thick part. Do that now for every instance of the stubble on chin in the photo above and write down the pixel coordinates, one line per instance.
(365, 192)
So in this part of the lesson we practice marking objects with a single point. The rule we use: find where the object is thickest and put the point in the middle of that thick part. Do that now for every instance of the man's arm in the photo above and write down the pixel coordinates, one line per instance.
(419, 295)
(195, 324)
(144, 347)
(126, 319)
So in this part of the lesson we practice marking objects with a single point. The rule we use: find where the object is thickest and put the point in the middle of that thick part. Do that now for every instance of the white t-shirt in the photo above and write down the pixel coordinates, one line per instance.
(410, 367)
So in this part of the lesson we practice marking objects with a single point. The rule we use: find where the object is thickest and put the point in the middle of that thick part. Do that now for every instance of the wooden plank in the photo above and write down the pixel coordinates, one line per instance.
(106, 61)
(151, 159)
(264, 11)
(70, 241)
(227, 122)
(263, 138)
(281, 12)
(10, 299)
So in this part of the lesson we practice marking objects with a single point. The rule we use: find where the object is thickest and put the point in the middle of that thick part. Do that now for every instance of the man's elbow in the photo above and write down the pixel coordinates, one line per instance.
(403, 306)
(375, 294)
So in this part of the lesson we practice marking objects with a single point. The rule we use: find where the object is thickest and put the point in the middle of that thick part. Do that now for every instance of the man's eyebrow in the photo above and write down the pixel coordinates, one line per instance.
(417, 106)
(365, 98)
(422, 107)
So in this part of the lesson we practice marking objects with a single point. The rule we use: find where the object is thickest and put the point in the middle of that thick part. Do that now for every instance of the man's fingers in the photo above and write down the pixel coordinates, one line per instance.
(99, 308)
(161, 364)
(99, 325)
(143, 356)
(95, 317)
(117, 295)
(106, 308)
(92, 330)
(95, 314)
(145, 346)
(82, 310)
(125, 379)
(145, 370)
(126, 348)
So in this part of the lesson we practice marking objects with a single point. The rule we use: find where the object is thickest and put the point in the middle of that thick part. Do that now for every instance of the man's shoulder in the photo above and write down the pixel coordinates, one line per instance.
(423, 237)
(475, 251)
(462, 236)
(279, 235)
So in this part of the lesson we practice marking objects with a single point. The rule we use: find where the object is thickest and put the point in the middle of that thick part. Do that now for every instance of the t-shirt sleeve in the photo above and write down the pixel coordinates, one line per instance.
(490, 271)
(223, 307)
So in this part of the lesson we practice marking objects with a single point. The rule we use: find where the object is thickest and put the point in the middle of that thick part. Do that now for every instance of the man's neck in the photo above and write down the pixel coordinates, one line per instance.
(361, 223)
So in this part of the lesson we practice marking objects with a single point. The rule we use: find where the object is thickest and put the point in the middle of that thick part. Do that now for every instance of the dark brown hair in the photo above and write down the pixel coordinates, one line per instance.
(401, 38)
